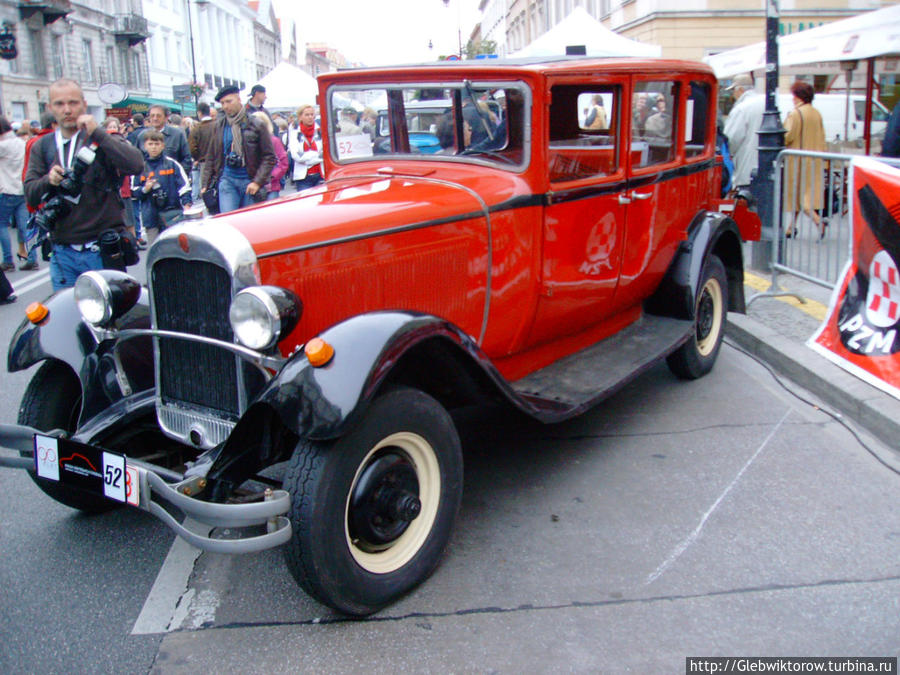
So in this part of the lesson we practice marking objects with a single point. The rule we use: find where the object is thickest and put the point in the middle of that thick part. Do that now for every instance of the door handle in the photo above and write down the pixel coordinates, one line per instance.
(639, 195)
(623, 199)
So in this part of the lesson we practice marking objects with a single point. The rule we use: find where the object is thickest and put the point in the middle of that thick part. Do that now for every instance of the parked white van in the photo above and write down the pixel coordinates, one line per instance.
(833, 108)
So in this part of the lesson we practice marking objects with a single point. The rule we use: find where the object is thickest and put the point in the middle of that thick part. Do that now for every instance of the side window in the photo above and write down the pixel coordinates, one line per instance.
(653, 124)
(696, 119)
(584, 138)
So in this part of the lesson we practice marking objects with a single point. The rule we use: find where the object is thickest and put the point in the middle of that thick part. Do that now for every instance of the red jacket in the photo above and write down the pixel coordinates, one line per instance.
(28, 144)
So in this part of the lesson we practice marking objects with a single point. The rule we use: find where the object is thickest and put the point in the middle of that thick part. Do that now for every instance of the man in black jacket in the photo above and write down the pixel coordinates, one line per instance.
(88, 202)
(176, 141)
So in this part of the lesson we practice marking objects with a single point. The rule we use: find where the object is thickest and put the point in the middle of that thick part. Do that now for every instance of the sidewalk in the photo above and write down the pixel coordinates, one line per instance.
(776, 331)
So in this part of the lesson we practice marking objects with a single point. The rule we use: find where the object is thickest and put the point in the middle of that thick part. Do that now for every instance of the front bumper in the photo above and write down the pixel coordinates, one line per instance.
(158, 488)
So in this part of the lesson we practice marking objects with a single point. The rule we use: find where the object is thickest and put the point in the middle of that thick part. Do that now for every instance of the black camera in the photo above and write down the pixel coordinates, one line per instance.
(73, 178)
(159, 196)
(261, 195)
(234, 160)
(51, 212)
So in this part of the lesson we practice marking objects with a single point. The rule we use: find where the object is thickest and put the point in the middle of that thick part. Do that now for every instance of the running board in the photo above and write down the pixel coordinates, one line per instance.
(573, 384)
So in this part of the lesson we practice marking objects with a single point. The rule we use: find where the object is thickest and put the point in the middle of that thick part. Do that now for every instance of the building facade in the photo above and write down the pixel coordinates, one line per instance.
(94, 43)
(266, 38)
(687, 29)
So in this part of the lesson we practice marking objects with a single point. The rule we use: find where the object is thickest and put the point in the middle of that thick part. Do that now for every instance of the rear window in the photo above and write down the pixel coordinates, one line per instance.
(585, 131)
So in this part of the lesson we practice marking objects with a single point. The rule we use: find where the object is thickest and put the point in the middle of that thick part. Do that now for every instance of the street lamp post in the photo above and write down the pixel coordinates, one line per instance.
(771, 141)
(193, 59)
(458, 26)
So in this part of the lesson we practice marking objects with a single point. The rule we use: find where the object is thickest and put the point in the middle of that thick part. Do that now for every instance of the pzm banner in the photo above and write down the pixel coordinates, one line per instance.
(861, 332)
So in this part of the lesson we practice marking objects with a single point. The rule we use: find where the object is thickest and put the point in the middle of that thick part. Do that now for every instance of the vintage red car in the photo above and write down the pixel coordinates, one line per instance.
(567, 235)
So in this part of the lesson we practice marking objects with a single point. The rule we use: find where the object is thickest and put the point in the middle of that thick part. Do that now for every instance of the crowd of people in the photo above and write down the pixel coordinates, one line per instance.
(97, 193)
(804, 177)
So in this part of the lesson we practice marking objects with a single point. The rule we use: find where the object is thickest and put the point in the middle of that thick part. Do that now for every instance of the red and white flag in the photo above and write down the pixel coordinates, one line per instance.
(861, 331)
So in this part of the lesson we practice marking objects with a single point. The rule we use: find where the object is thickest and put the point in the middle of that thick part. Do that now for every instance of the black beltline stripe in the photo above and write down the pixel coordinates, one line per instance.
(522, 201)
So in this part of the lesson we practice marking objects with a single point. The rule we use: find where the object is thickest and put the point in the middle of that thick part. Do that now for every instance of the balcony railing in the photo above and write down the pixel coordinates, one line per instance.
(51, 10)
(131, 27)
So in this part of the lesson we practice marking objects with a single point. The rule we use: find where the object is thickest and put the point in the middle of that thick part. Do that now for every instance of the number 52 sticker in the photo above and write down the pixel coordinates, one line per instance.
(114, 476)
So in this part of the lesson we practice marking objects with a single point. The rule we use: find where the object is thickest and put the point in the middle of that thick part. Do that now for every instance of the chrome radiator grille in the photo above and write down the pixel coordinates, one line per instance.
(193, 296)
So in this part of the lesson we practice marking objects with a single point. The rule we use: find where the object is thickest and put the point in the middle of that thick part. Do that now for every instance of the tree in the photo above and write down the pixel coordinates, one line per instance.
(476, 47)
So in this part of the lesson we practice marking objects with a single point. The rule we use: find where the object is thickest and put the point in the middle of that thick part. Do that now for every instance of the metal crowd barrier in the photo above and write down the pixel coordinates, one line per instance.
(807, 182)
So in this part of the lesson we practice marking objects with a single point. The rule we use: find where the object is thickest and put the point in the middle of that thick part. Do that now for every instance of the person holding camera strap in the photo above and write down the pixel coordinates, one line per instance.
(162, 188)
(240, 157)
(77, 172)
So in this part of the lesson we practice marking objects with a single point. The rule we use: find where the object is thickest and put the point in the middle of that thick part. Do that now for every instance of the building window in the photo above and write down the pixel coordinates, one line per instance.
(87, 54)
(136, 70)
(18, 111)
(110, 64)
(59, 56)
(123, 67)
(38, 64)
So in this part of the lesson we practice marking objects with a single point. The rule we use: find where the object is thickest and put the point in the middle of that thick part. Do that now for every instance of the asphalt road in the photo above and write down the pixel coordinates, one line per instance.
(717, 517)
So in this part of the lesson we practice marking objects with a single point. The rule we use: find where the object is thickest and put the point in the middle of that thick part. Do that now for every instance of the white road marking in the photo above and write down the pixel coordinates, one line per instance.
(692, 537)
(195, 610)
(32, 281)
(171, 584)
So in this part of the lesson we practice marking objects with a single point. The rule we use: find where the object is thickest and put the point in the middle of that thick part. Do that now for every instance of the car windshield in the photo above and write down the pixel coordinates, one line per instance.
(483, 122)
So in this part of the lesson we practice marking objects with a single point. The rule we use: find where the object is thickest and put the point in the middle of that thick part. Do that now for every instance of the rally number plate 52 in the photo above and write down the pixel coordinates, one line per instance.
(86, 467)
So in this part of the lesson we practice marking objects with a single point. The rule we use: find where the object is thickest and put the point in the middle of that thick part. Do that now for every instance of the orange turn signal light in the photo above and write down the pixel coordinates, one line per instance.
(36, 312)
(318, 352)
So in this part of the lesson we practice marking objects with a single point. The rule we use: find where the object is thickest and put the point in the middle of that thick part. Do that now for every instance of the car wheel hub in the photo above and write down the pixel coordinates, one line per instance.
(384, 501)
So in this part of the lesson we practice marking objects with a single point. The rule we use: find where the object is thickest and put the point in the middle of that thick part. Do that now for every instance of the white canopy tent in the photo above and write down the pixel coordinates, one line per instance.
(864, 37)
(287, 86)
(581, 29)
(861, 37)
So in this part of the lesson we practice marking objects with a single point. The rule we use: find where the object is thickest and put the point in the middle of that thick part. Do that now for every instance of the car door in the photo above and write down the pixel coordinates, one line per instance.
(584, 218)
(656, 219)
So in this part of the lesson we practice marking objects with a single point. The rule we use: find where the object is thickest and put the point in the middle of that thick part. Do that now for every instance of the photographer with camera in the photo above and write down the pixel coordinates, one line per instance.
(162, 188)
(240, 157)
(77, 172)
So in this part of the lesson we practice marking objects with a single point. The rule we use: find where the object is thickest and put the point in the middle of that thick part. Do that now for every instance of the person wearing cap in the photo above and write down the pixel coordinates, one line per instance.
(742, 126)
(256, 101)
(240, 157)
(347, 125)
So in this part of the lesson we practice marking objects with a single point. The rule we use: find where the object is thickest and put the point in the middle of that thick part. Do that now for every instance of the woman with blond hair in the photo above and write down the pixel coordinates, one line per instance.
(305, 146)
(803, 180)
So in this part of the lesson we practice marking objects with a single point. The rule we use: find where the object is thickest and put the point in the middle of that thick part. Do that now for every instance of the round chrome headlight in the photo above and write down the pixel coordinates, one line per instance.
(261, 315)
(102, 296)
(93, 298)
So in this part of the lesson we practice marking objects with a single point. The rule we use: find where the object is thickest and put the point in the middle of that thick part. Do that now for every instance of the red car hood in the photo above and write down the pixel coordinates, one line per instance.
(350, 208)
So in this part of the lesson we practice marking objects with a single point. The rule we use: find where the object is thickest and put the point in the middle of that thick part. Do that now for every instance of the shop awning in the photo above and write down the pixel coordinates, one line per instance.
(864, 36)
(141, 104)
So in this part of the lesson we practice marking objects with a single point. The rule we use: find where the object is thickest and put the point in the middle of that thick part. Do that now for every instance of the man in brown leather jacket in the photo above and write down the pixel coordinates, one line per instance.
(198, 144)
(240, 157)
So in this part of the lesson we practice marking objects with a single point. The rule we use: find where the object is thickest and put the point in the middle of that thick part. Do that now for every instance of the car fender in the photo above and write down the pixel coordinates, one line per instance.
(710, 232)
(64, 336)
(319, 402)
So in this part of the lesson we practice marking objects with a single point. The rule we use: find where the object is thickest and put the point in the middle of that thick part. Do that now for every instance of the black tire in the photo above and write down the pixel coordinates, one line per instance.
(52, 400)
(350, 549)
(696, 357)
